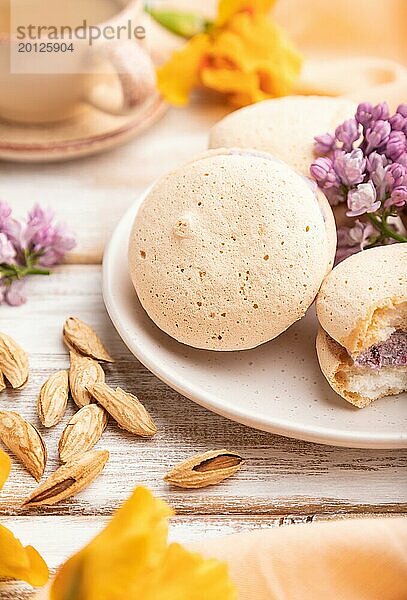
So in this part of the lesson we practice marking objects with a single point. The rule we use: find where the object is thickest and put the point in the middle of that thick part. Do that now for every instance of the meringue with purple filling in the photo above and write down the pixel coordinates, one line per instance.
(362, 310)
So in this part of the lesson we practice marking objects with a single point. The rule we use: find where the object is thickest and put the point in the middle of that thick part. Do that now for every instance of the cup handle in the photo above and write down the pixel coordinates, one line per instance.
(136, 75)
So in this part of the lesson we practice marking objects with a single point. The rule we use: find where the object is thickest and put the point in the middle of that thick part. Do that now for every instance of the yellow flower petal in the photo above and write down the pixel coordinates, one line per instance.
(37, 574)
(242, 88)
(202, 579)
(130, 560)
(17, 562)
(177, 77)
(5, 467)
(263, 63)
(132, 544)
(245, 55)
(228, 8)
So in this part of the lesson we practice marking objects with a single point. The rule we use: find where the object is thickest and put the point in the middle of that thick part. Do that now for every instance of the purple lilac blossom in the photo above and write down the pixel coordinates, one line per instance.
(396, 175)
(347, 133)
(14, 293)
(5, 215)
(3, 290)
(364, 114)
(376, 162)
(335, 195)
(38, 226)
(367, 168)
(398, 122)
(380, 111)
(396, 145)
(7, 250)
(324, 143)
(377, 135)
(353, 239)
(350, 166)
(28, 248)
(362, 199)
(45, 239)
(376, 165)
(9, 226)
(398, 197)
(402, 159)
(323, 172)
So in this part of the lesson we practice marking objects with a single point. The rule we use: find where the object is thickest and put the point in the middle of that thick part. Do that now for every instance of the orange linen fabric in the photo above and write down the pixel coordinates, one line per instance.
(356, 48)
(355, 559)
(346, 27)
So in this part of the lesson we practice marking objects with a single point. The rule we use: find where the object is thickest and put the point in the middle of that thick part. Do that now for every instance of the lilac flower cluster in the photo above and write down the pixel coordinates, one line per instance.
(365, 165)
(28, 247)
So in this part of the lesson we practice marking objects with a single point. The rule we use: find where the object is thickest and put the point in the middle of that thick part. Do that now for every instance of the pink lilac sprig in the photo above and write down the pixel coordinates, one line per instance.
(364, 164)
(28, 247)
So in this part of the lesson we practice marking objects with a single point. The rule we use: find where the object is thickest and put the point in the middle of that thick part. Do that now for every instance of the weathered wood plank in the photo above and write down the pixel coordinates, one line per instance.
(280, 476)
(44, 532)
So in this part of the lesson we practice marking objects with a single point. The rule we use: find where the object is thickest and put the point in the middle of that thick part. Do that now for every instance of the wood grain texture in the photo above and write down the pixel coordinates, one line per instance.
(281, 476)
(187, 530)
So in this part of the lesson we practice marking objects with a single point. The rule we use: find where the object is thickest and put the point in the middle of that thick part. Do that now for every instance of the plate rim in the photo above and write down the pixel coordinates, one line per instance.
(315, 434)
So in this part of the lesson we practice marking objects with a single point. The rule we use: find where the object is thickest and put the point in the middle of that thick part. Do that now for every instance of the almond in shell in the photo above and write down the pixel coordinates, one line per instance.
(84, 372)
(79, 336)
(53, 398)
(205, 469)
(82, 432)
(69, 479)
(125, 408)
(25, 441)
(13, 361)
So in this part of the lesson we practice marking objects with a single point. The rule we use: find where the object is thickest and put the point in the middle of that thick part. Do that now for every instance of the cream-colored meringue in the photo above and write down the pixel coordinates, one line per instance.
(285, 127)
(228, 250)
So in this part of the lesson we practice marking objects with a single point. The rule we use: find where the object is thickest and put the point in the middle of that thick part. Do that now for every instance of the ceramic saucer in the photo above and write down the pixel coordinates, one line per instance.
(88, 133)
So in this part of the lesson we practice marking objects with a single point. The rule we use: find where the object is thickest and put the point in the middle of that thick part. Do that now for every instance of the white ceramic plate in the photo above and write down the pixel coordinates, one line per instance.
(276, 387)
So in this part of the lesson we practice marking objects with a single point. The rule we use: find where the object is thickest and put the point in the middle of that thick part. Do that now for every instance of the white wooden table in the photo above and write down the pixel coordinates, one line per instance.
(283, 481)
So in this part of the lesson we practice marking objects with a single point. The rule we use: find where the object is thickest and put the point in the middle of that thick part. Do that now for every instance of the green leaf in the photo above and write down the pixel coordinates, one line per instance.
(181, 23)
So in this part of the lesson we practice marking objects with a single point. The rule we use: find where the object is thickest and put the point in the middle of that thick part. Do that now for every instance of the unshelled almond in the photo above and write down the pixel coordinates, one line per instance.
(13, 361)
(79, 336)
(82, 432)
(83, 373)
(53, 398)
(69, 479)
(205, 469)
(125, 408)
(23, 439)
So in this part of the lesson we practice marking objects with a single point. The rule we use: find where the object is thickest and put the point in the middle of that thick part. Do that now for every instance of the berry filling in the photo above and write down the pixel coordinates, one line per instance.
(390, 353)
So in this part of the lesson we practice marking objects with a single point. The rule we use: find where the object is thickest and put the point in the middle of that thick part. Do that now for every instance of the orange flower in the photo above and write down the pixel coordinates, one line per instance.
(244, 55)
(17, 561)
(229, 8)
(5, 468)
(130, 559)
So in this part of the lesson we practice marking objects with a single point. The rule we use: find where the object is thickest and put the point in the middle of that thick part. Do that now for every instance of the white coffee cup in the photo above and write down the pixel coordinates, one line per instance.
(115, 75)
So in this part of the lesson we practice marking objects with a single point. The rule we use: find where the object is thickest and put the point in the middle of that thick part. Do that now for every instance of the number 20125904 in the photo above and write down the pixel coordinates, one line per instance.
(45, 47)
